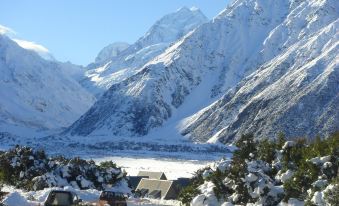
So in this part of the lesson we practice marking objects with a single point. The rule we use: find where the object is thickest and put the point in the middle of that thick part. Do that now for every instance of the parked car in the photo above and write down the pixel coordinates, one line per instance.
(112, 199)
(62, 198)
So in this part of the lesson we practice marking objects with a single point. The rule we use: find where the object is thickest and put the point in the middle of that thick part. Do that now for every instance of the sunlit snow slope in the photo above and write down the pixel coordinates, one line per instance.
(118, 61)
(36, 93)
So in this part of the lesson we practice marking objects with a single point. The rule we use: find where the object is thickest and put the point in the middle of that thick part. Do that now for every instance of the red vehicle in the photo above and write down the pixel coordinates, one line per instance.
(112, 199)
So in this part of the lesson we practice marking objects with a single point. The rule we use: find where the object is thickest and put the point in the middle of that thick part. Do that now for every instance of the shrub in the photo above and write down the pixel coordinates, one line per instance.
(187, 194)
(220, 190)
(2, 194)
(256, 173)
(246, 147)
(266, 150)
(332, 196)
(31, 169)
(107, 164)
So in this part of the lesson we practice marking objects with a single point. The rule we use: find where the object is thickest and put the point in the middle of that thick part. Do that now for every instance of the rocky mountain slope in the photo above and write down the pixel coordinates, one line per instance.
(269, 66)
(296, 91)
(117, 62)
(36, 93)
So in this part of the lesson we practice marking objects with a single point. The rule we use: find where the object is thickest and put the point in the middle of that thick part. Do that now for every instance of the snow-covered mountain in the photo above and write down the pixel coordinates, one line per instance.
(37, 48)
(36, 93)
(296, 90)
(77, 72)
(116, 62)
(111, 51)
(268, 66)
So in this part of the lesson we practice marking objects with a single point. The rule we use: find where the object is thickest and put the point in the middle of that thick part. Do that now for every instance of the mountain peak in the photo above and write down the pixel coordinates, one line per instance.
(167, 30)
(194, 9)
(110, 51)
(186, 9)
(172, 26)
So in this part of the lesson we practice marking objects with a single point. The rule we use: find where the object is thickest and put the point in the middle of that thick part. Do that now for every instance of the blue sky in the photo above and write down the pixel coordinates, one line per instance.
(76, 30)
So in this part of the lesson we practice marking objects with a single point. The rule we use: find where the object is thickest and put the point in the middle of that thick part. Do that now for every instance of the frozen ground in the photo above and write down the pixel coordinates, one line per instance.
(173, 168)
(176, 159)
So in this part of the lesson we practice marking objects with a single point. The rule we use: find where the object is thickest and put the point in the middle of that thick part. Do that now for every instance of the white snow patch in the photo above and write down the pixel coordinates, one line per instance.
(173, 168)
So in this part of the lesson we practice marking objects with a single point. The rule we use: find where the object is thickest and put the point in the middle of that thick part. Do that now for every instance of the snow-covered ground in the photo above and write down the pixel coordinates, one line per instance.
(21, 198)
(173, 168)
(174, 164)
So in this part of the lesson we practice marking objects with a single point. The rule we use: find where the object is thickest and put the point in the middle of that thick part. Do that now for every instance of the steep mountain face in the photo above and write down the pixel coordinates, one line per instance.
(296, 92)
(72, 70)
(115, 63)
(190, 75)
(268, 66)
(36, 93)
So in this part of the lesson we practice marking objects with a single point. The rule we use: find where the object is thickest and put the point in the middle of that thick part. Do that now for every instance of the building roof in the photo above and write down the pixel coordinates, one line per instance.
(133, 181)
(166, 187)
(182, 182)
(153, 175)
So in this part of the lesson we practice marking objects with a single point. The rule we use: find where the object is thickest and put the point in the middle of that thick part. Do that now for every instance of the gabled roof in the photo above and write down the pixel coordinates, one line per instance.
(182, 182)
(153, 175)
(134, 180)
(166, 187)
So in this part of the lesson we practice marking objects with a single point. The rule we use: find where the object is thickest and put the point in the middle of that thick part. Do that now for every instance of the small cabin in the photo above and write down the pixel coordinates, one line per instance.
(155, 185)
(158, 189)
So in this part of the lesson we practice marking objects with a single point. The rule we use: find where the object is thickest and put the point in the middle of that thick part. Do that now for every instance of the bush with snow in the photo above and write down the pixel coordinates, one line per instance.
(191, 191)
(26, 168)
(331, 193)
(271, 173)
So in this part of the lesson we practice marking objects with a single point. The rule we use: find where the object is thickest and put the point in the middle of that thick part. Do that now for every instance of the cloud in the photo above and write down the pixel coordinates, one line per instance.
(31, 45)
(6, 30)
(41, 50)
(194, 8)
(37, 48)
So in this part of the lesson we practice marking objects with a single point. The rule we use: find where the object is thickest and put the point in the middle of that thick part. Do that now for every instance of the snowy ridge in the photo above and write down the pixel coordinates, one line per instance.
(42, 51)
(39, 49)
(36, 93)
(110, 69)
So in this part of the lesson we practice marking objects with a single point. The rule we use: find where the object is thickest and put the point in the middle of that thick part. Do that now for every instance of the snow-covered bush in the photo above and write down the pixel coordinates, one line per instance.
(2, 195)
(272, 172)
(188, 193)
(31, 169)
(331, 193)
